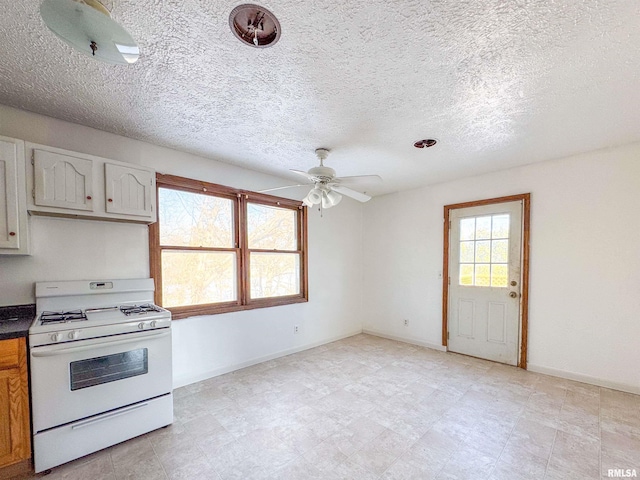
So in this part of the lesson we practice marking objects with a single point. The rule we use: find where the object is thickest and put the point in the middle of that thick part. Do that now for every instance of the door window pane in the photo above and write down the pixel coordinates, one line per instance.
(484, 251)
(467, 250)
(193, 220)
(196, 278)
(482, 275)
(99, 370)
(499, 251)
(271, 228)
(274, 274)
(466, 274)
(467, 229)
(500, 226)
(483, 228)
(499, 275)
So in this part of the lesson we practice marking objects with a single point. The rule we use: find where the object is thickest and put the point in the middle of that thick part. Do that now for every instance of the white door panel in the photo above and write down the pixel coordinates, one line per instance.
(485, 244)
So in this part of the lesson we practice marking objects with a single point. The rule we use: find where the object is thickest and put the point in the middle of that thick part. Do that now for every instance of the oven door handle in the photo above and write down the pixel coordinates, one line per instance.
(37, 352)
(102, 418)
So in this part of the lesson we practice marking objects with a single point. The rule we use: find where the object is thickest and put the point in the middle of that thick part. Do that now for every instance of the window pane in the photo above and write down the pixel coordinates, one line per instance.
(482, 276)
(500, 227)
(272, 228)
(274, 274)
(466, 274)
(499, 274)
(467, 254)
(196, 278)
(195, 220)
(467, 228)
(499, 251)
(483, 252)
(483, 228)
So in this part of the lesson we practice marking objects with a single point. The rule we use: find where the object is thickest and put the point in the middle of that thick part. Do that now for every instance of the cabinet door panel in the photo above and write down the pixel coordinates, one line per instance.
(9, 233)
(6, 455)
(63, 181)
(129, 190)
(15, 444)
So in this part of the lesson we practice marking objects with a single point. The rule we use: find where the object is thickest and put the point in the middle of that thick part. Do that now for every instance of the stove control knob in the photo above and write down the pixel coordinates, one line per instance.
(141, 325)
(56, 337)
(74, 335)
(153, 324)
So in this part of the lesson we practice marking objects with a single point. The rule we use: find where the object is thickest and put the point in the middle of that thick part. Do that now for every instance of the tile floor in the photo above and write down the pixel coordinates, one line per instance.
(370, 408)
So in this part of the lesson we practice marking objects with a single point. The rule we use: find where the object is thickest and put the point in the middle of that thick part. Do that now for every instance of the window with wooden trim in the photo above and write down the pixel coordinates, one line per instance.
(216, 249)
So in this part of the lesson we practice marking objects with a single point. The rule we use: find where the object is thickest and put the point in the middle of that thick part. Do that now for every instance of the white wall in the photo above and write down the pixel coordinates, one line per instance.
(66, 249)
(585, 266)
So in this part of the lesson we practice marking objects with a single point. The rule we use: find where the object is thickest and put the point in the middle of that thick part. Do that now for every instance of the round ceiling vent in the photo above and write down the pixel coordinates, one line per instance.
(429, 142)
(254, 25)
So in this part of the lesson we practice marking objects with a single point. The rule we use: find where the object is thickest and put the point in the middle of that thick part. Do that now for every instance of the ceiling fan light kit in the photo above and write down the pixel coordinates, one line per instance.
(327, 188)
(87, 26)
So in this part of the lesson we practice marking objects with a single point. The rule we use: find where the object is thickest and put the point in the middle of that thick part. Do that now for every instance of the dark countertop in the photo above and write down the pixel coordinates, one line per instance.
(15, 321)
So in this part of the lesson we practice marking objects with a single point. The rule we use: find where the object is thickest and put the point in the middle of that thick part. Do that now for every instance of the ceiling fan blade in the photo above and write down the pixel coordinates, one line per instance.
(304, 174)
(359, 180)
(282, 188)
(361, 197)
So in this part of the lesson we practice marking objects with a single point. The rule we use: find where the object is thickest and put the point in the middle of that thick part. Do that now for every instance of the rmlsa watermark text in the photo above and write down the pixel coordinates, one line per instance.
(622, 473)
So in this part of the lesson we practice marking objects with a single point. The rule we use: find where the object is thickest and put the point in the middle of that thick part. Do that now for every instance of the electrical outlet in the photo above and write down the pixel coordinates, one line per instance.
(406, 322)
(296, 329)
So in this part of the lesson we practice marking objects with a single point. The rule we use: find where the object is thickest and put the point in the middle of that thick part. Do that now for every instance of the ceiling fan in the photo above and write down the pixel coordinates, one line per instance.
(327, 188)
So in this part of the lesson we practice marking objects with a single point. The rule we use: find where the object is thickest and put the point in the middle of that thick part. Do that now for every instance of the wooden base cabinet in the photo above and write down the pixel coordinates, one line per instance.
(15, 435)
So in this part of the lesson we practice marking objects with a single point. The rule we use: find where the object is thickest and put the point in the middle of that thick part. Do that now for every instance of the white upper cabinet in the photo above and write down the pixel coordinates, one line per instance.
(71, 184)
(13, 211)
(63, 181)
(129, 190)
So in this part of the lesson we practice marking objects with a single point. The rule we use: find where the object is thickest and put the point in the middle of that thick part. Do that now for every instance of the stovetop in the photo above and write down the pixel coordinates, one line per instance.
(80, 310)
(75, 325)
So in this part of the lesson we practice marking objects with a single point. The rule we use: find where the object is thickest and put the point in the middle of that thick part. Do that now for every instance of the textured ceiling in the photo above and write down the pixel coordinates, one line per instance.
(498, 83)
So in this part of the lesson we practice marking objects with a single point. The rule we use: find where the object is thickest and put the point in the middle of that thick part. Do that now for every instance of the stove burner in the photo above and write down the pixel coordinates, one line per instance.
(139, 309)
(62, 317)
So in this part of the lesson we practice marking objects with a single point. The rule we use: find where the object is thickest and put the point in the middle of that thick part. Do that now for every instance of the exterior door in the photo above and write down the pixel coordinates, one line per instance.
(485, 252)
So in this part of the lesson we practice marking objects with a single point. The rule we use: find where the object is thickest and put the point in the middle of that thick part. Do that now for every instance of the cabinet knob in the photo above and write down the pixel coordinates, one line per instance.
(110, 200)
(88, 197)
(12, 234)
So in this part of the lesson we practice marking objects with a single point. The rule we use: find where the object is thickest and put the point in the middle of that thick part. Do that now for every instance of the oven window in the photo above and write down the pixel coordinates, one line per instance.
(95, 371)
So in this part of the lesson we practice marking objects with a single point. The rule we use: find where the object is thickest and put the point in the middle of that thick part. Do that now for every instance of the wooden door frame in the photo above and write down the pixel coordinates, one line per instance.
(524, 303)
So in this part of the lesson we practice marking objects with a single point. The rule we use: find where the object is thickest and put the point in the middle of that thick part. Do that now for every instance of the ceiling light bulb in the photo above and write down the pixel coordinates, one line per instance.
(87, 26)
(334, 197)
(255, 38)
(315, 196)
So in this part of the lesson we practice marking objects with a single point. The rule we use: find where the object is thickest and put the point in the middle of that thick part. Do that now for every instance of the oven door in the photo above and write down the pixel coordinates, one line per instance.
(75, 380)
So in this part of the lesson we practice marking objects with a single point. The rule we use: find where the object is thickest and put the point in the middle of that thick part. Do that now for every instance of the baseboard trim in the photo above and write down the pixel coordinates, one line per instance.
(412, 341)
(578, 377)
(182, 381)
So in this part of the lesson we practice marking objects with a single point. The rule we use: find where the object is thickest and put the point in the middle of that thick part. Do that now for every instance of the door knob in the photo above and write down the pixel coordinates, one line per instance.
(513, 294)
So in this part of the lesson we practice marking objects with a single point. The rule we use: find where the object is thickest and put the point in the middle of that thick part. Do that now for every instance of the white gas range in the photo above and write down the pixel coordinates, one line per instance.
(100, 356)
